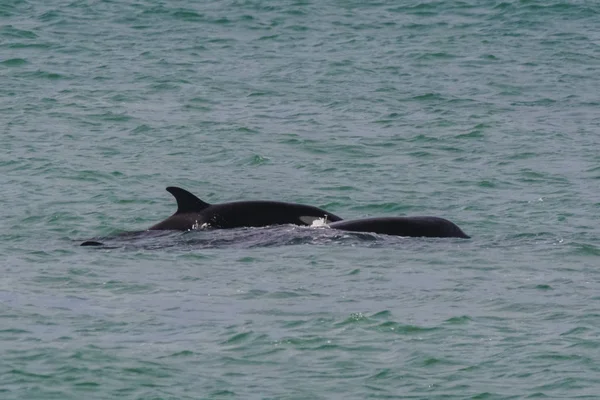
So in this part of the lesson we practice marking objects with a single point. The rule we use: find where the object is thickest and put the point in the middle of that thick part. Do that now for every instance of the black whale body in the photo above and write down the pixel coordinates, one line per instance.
(193, 213)
(403, 226)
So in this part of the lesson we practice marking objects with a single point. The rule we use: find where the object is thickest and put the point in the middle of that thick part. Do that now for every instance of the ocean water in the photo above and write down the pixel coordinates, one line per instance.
(482, 112)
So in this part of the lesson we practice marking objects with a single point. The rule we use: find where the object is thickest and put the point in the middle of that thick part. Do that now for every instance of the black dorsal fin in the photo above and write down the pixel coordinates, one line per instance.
(186, 202)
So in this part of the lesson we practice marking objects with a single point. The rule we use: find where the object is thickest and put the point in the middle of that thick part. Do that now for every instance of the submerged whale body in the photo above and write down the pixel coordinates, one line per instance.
(403, 226)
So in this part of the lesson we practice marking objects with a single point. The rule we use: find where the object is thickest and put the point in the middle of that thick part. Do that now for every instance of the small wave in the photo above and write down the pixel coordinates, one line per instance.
(271, 236)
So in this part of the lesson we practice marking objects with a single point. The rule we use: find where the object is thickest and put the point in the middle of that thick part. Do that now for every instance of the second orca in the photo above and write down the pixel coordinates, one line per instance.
(403, 226)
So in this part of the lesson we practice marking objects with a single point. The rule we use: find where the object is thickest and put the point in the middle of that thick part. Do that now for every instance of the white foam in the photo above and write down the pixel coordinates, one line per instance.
(197, 226)
(319, 223)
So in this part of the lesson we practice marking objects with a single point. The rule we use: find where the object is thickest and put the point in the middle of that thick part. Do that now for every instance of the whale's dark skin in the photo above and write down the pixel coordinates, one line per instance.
(403, 226)
(193, 213)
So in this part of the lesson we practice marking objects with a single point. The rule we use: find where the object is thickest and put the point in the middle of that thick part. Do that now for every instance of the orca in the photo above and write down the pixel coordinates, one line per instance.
(193, 213)
(403, 226)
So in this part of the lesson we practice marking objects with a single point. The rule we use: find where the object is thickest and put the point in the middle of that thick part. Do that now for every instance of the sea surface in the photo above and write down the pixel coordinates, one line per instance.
(483, 112)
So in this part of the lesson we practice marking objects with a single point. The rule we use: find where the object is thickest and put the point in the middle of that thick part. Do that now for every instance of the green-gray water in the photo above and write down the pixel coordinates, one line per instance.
(483, 112)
